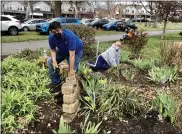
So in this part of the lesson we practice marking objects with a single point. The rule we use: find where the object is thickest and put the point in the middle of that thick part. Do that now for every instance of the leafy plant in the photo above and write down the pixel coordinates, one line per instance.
(123, 71)
(171, 54)
(89, 127)
(165, 105)
(143, 64)
(23, 82)
(118, 101)
(138, 41)
(16, 104)
(163, 74)
(63, 128)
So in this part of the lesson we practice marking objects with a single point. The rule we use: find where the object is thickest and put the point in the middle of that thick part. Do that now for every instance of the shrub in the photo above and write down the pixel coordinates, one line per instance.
(138, 41)
(86, 34)
(30, 55)
(163, 74)
(171, 54)
(165, 105)
(118, 101)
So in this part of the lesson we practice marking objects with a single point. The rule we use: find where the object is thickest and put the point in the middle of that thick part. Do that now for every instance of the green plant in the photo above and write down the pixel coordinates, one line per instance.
(86, 34)
(90, 99)
(138, 41)
(30, 55)
(89, 127)
(171, 53)
(63, 128)
(124, 55)
(23, 82)
(163, 74)
(123, 71)
(143, 64)
(118, 101)
(16, 104)
(165, 105)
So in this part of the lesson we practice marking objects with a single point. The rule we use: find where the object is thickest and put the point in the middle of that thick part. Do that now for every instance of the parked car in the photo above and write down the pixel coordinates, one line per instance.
(98, 23)
(31, 24)
(124, 26)
(44, 27)
(111, 25)
(10, 24)
(86, 22)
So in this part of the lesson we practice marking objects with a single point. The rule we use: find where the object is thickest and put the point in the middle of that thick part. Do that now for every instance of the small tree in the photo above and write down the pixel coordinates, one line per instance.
(166, 10)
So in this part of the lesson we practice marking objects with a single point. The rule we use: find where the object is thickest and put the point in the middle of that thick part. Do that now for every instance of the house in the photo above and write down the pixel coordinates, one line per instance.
(19, 8)
(41, 9)
(77, 9)
(122, 11)
(15, 8)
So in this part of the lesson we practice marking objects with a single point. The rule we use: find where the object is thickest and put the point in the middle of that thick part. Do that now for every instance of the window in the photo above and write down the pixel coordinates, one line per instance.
(71, 20)
(63, 20)
(133, 11)
(41, 21)
(83, 9)
(142, 11)
(5, 18)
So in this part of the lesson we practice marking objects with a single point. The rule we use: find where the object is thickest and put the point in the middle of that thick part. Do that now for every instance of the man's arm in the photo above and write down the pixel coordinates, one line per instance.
(72, 62)
(53, 55)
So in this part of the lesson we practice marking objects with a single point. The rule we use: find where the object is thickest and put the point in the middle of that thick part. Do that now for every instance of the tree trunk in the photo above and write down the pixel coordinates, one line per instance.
(164, 30)
(57, 8)
(155, 22)
(28, 10)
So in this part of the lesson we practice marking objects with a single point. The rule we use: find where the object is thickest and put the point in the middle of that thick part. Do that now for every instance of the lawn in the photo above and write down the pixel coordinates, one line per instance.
(170, 26)
(133, 97)
(29, 36)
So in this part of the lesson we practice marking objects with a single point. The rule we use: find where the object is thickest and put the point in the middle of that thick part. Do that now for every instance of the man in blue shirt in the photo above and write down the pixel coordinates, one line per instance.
(64, 44)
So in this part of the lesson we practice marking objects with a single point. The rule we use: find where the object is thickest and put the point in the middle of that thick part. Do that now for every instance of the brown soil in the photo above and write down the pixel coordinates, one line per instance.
(48, 116)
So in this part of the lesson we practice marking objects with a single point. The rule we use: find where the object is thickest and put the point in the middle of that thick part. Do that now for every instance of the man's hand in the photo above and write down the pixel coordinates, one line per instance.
(55, 65)
(72, 74)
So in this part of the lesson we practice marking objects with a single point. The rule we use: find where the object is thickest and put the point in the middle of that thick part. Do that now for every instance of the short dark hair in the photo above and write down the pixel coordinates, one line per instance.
(54, 25)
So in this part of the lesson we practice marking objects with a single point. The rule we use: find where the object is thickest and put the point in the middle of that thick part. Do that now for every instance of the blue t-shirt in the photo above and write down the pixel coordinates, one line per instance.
(68, 41)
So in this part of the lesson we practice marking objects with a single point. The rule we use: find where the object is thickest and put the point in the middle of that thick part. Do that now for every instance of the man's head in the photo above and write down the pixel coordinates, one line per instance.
(118, 44)
(55, 28)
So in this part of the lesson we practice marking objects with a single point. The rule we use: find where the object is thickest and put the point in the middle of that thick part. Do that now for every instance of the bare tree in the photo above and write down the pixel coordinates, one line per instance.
(28, 9)
(56, 6)
(166, 10)
(153, 11)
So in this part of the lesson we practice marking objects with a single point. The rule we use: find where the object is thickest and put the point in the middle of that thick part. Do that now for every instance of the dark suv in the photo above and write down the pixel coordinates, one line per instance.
(124, 26)
(98, 23)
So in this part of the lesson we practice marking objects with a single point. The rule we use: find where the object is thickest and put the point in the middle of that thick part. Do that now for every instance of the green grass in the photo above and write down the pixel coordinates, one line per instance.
(30, 36)
(170, 26)
(151, 50)
(106, 32)
(24, 36)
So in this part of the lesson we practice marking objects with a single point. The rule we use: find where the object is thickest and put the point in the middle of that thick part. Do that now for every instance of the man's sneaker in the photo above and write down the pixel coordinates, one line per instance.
(49, 86)
(55, 89)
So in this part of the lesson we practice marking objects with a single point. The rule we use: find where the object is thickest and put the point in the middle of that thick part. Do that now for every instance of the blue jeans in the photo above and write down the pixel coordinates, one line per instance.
(55, 76)
(100, 64)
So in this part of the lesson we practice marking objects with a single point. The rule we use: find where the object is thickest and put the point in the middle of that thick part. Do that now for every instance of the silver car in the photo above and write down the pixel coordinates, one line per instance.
(30, 25)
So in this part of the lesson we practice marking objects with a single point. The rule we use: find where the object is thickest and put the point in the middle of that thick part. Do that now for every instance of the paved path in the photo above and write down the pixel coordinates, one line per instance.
(9, 48)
